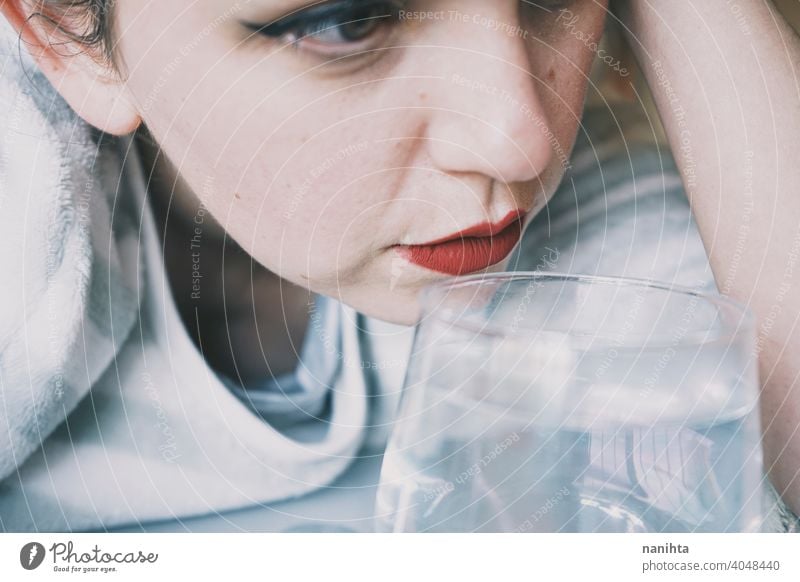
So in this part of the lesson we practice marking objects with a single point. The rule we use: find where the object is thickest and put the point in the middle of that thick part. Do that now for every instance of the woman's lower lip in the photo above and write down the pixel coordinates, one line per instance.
(467, 254)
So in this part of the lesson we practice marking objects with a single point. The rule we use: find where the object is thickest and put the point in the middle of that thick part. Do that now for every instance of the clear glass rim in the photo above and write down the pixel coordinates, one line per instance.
(742, 321)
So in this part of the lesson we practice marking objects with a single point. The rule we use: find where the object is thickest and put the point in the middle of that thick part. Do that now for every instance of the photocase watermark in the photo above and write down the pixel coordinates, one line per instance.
(472, 471)
(31, 555)
(507, 99)
(489, 22)
(689, 166)
(781, 293)
(66, 559)
(741, 20)
(570, 22)
(422, 15)
(57, 239)
(552, 502)
(743, 230)
(184, 51)
(493, 24)
(320, 170)
(168, 447)
(195, 244)
(619, 339)
(547, 261)
(682, 328)
(398, 267)
(331, 346)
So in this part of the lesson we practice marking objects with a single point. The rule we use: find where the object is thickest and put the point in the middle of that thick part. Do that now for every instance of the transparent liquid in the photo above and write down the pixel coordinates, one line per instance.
(704, 475)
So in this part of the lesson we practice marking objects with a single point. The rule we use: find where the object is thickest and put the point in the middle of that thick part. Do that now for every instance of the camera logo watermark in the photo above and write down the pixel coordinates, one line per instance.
(31, 555)
(65, 558)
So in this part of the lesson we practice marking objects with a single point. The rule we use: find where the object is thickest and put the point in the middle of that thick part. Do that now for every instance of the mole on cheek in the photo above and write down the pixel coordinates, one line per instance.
(551, 75)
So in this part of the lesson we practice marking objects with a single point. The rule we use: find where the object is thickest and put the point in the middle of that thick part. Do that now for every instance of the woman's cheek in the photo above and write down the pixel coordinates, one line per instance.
(562, 81)
(306, 220)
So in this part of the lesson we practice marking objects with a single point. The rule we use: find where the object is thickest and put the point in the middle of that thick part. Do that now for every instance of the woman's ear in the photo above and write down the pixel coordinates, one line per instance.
(91, 88)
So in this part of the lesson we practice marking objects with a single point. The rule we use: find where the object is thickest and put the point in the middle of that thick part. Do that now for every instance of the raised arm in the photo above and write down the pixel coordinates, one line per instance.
(725, 79)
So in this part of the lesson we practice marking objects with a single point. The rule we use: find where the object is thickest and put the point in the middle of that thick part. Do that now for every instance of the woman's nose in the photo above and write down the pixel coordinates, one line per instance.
(486, 115)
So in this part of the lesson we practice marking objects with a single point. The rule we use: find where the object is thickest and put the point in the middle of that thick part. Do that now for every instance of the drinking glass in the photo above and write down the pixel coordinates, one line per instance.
(565, 403)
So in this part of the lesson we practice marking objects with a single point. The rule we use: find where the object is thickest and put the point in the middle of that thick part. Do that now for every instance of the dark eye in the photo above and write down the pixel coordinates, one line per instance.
(339, 24)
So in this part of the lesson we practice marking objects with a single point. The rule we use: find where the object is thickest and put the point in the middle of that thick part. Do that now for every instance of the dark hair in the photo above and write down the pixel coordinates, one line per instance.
(87, 23)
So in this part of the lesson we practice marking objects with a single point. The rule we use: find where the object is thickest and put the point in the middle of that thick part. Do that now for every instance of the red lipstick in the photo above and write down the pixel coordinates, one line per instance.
(469, 250)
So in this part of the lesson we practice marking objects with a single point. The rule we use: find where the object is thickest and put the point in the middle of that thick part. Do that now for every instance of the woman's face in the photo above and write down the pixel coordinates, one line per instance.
(333, 144)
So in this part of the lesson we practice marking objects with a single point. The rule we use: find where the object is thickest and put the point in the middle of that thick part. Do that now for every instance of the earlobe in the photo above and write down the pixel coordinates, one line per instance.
(91, 89)
(100, 101)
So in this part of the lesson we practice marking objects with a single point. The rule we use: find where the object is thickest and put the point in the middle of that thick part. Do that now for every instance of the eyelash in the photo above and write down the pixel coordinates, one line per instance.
(335, 14)
(329, 17)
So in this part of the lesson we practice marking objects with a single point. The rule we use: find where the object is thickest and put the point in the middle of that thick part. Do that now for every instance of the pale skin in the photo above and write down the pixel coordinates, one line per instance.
(253, 124)
(247, 126)
(741, 105)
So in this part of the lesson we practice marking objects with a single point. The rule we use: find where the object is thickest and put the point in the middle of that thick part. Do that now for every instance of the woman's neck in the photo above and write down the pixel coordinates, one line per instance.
(248, 322)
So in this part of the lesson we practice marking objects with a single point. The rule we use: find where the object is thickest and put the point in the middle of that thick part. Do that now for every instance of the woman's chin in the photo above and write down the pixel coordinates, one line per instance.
(396, 300)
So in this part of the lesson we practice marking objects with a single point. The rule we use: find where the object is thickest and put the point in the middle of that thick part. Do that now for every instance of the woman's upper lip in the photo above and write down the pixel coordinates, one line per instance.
(480, 230)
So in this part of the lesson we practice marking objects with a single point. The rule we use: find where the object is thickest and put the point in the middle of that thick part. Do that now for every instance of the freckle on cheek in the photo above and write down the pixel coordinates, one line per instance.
(551, 75)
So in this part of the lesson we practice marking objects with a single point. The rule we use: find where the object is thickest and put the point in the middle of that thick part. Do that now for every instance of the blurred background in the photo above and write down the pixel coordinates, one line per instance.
(611, 87)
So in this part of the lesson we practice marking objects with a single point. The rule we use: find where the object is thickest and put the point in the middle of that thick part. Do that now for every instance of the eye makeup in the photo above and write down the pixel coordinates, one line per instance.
(333, 23)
